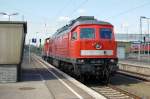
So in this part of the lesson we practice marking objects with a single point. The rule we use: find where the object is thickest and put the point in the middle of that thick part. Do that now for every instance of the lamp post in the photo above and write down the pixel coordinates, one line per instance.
(139, 46)
(29, 51)
(148, 35)
(9, 15)
(143, 17)
(148, 39)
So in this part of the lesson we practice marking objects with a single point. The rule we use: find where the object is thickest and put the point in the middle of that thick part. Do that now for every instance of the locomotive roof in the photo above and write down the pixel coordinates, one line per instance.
(79, 21)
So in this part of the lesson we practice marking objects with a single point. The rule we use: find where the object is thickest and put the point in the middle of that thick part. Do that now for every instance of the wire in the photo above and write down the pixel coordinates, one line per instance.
(82, 3)
(129, 10)
(63, 8)
(54, 18)
(74, 10)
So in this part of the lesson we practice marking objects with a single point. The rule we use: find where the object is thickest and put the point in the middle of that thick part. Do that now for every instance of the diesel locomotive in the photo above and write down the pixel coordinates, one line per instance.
(85, 47)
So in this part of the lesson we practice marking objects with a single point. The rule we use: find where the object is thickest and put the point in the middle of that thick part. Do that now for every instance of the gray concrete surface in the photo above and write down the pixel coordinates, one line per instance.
(25, 90)
(63, 89)
(58, 90)
(135, 62)
(31, 87)
(38, 83)
(8, 73)
(135, 66)
(77, 86)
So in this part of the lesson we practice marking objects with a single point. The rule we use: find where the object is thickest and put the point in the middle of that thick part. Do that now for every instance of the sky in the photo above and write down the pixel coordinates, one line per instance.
(44, 17)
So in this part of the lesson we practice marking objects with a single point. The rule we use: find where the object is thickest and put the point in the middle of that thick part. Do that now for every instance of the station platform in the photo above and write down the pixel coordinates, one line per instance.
(42, 82)
(136, 62)
(135, 66)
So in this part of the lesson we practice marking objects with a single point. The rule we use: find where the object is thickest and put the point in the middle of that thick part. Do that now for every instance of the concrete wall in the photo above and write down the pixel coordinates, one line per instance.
(8, 73)
(10, 43)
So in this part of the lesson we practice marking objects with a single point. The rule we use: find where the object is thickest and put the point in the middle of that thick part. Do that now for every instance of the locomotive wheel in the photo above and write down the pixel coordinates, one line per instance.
(106, 80)
(81, 78)
(44, 57)
(106, 76)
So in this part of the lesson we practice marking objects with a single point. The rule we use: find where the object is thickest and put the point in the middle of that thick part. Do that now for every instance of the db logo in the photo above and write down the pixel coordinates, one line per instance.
(97, 45)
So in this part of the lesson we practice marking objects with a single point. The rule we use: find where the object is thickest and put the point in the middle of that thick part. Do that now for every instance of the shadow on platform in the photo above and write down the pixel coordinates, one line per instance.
(39, 74)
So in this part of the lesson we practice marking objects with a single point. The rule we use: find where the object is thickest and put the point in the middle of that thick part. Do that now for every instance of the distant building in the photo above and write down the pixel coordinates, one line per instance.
(128, 43)
(131, 37)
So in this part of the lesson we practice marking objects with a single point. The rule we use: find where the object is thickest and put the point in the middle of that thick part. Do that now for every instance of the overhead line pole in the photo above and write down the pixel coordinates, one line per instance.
(148, 39)
(139, 46)
(143, 39)
(29, 51)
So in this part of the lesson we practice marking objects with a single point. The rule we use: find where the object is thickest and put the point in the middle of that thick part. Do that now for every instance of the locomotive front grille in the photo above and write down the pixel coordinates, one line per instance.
(96, 60)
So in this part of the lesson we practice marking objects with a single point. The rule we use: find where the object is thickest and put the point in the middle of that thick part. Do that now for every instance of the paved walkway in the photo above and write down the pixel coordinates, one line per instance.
(39, 82)
(31, 86)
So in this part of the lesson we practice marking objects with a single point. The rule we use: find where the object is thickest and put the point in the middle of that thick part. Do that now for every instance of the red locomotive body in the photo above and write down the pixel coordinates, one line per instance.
(88, 45)
(45, 52)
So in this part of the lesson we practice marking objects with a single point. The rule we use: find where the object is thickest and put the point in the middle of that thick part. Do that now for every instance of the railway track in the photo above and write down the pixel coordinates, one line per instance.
(112, 92)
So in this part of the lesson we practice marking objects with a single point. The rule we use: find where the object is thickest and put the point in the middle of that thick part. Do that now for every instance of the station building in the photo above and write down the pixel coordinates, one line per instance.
(125, 42)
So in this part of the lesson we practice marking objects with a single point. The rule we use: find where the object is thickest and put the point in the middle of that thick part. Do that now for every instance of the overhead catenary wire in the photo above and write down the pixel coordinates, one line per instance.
(75, 9)
(81, 4)
(62, 9)
(130, 10)
(54, 18)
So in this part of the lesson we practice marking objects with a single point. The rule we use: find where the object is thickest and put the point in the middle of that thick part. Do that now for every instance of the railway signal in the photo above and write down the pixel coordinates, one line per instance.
(40, 40)
(144, 38)
(33, 40)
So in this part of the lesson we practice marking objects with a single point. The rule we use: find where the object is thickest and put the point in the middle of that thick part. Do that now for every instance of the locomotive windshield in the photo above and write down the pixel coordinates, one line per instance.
(87, 33)
(105, 33)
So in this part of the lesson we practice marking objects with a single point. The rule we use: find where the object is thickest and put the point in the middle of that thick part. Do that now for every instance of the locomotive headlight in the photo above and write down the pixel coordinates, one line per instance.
(112, 60)
(81, 61)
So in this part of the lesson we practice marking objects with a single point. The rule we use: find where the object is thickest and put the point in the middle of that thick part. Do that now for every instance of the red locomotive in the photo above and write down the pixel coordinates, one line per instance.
(143, 47)
(84, 47)
(46, 48)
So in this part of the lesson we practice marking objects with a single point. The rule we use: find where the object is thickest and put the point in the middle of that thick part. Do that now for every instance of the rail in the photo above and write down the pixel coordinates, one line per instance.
(112, 92)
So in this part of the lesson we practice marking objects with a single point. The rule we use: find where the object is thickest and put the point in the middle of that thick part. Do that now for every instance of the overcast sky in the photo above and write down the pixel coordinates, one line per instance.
(45, 16)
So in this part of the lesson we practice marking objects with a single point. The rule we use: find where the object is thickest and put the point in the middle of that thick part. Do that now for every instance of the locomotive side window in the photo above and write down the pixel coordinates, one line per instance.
(87, 33)
(105, 33)
(74, 36)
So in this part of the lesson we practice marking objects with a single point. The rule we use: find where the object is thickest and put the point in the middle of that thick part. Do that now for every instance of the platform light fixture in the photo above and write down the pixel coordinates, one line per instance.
(9, 15)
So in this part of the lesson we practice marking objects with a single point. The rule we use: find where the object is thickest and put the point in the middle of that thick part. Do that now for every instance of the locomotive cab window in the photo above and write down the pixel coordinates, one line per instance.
(87, 33)
(74, 36)
(105, 33)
